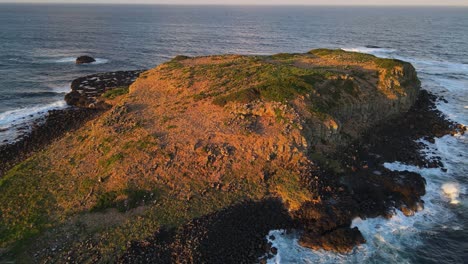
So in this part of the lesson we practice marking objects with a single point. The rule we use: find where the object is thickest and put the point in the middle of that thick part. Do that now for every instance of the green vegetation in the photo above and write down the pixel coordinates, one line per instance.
(290, 188)
(142, 144)
(279, 116)
(175, 63)
(387, 64)
(271, 82)
(115, 92)
(26, 214)
(242, 96)
(158, 175)
(344, 55)
(112, 160)
(126, 199)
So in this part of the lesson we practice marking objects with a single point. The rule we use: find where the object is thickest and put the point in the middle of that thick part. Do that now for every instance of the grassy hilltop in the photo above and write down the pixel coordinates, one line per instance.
(193, 136)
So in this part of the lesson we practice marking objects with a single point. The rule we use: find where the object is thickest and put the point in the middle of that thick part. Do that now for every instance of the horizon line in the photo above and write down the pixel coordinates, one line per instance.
(239, 5)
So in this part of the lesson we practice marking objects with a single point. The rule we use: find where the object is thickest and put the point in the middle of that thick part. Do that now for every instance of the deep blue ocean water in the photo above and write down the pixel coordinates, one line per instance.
(38, 45)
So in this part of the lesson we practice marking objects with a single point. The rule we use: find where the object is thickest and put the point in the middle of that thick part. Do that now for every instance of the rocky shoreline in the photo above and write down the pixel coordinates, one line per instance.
(43, 132)
(346, 183)
(86, 91)
(238, 234)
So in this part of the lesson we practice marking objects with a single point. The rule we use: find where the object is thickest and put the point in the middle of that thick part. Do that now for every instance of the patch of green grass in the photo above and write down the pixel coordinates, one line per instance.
(344, 55)
(133, 199)
(141, 144)
(175, 63)
(242, 96)
(180, 58)
(274, 82)
(105, 201)
(387, 64)
(290, 188)
(115, 92)
(283, 56)
(106, 145)
(26, 201)
(112, 160)
(279, 117)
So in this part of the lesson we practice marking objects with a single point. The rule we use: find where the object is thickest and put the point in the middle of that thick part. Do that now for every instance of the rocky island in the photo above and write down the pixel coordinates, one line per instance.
(199, 158)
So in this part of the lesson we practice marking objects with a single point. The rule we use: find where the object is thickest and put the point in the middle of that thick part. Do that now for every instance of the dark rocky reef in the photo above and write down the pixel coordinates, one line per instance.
(86, 90)
(84, 59)
(365, 188)
(233, 235)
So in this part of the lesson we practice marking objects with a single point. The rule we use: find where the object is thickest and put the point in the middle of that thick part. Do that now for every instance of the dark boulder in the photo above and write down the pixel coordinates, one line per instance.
(341, 240)
(84, 59)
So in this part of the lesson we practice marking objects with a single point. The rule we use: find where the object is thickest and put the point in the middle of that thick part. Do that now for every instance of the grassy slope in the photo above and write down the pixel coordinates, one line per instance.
(147, 160)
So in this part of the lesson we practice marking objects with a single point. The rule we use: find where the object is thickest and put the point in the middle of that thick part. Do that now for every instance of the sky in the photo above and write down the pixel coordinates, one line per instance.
(261, 2)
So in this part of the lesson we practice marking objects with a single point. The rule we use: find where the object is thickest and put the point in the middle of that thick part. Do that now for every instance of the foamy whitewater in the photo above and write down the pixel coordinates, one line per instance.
(392, 241)
(17, 122)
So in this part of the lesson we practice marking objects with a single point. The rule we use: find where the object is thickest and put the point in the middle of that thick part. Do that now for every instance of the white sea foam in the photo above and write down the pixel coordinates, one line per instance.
(451, 190)
(389, 240)
(12, 117)
(60, 88)
(100, 61)
(73, 60)
(11, 120)
(435, 66)
(66, 60)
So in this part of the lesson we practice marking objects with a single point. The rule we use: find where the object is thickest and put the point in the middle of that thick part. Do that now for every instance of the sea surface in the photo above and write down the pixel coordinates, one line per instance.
(38, 45)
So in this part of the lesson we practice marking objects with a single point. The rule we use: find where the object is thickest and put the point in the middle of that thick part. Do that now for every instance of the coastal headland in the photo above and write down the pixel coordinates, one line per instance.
(197, 159)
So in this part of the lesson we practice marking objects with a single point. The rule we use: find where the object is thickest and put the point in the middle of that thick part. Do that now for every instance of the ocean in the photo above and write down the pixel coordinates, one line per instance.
(39, 43)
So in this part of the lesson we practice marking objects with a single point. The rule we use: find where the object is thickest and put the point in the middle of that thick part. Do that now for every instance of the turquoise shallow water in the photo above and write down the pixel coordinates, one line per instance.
(38, 45)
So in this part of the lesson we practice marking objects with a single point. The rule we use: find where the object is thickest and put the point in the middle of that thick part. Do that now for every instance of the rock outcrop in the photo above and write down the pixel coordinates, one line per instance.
(84, 60)
(195, 138)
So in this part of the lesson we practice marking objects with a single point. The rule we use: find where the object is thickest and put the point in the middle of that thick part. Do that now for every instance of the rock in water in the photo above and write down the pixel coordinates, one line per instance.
(340, 240)
(84, 59)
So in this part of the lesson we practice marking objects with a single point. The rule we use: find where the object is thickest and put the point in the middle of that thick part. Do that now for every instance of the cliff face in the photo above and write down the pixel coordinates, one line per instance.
(195, 135)
(366, 91)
